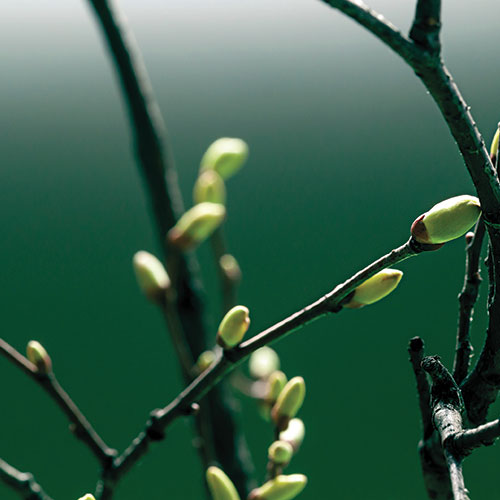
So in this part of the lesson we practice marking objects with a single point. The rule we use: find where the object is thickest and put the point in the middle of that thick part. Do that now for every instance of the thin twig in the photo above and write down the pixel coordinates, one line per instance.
(229, 360)
(483, 435)
(467, 299)
(82, 428)
(23, 482)
(427, 25)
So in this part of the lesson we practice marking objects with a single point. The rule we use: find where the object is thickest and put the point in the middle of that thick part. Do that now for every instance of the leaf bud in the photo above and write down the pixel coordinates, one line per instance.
(151, 276)
(233, 327)
(220, 486)
(289, 402)
(36, 353)
(494, 145)
(230, 267)
(280, 452)
(209, 187)
(280, 488)
(263, 362)
(205, 360)
(447, 220)
(294, 433)
(275, 384)
(375, 288)
(196, 225)
(88, 496)
(225, 156)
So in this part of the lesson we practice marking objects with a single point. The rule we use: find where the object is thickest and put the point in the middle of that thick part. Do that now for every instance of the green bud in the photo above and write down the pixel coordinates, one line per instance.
(289, 402)
(233, 327)
(88, 496)
(375, 288)
(263, 362)
(209, 187)
(225, 156)
(275, 384)
(196, 225)
(280, 452)
(494, 145)
(447, 220)
(36, 353)
(294, 433)
(205, 360)
(151, 276)
(220, 486)
(280, 488)
(230, 267)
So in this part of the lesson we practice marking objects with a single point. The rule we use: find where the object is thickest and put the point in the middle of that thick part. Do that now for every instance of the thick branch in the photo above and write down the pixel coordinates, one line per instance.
(427, 25)
(82, 428)
(467, 299)
(23, 482)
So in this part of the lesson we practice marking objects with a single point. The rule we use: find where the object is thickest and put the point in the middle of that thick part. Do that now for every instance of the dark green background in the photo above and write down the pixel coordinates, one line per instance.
(346, 150)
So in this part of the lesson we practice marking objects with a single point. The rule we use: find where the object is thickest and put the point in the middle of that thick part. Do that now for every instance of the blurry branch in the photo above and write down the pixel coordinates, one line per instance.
(23, 482)
(467, 299)
(427, 25)
(228, 360)
(82, 428)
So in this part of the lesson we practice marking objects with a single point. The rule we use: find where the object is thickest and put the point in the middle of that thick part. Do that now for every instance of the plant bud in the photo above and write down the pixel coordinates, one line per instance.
(494, 146)
(220, 486)
(233, 327)
(447, 220)
(275, 384)
(225, 156)
(280, 452)
(294, 433)
(280, 488)
(209, 187)
(375, 288)
(151, 276)
(263, 362)
(197, 224)
(205, 360)
(36, 353)
(88, 496)
(230, 267)
(289, 402)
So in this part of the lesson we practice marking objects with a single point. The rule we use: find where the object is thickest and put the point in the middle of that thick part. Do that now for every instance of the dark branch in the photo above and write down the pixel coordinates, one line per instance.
(427, 25)
(23, 482)
(82, 428)
(483, 435)
(467, 300)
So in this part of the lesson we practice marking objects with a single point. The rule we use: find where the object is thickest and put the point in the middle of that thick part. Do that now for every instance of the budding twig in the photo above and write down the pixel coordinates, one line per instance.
(83, 430)
(23, 482)
(467, 300)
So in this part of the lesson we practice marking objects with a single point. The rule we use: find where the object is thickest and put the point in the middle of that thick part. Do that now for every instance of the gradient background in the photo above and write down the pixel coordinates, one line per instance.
(346, 150)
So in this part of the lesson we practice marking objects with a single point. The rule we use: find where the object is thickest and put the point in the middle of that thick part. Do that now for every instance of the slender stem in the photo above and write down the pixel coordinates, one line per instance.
(82, 428)
(23, 482)
(427, 25)
(479, 436)
(229, 360)
(456, 476)
(467, 299)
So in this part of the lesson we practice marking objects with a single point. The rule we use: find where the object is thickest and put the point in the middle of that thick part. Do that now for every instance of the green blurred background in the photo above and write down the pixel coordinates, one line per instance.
(346, 150)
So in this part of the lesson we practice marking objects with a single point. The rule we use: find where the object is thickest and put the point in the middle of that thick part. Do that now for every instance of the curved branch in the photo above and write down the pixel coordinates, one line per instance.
(23, 482)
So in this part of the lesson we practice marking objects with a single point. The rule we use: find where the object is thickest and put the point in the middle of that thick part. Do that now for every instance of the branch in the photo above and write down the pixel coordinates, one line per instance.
(447, 406)
(427, 25)
(227, 361)
(483, 435)
(82, 428)
(467, 300)
(23, 482)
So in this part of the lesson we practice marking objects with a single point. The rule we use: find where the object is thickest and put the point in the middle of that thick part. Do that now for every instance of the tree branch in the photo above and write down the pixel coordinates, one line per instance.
(467, 299)
(23, 482)
(427, 25)
(82, 428)
(483, 435)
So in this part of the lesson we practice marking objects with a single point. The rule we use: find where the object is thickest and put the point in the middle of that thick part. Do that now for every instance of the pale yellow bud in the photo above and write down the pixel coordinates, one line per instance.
(375, 288)
(88, 496)
(494, 145)
(280, 452)
(220, 486)
(196, 225)
(230, 267)
(209, 187)
(447, 220)
(275, 384)
(289, 402)
(263, 362)
(205, 360)
(225, 156)
(36, 353)
(294, 433)
(233, 327)
(280, 488)
(151, 276)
